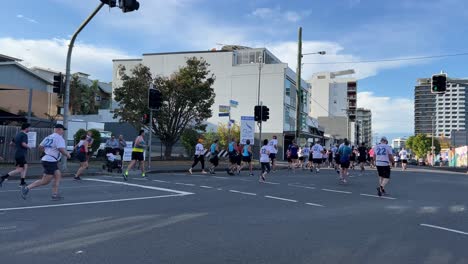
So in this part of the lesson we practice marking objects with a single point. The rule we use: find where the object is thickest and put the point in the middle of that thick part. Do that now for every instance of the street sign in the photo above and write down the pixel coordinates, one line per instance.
(233, 103)
(32, 139)
(224, 108)
(223, 114)
(247, 129)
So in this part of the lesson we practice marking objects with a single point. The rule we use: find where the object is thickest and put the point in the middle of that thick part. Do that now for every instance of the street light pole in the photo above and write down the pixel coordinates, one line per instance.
(66, 101)
(260, 61)
(298, 85)
(432, 144)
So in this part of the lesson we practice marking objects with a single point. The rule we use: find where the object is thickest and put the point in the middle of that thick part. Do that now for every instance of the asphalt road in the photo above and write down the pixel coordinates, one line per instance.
(294, 218)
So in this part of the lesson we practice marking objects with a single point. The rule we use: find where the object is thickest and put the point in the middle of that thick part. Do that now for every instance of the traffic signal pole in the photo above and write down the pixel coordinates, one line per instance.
(150, 138)
(66, 101)
(298, 86)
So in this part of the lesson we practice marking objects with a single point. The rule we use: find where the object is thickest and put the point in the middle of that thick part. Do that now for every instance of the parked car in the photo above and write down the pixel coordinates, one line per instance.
(412, 162)
(421, 162)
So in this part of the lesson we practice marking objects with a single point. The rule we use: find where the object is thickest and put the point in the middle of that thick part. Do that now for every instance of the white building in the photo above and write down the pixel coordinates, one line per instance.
(451, 109)
(364, 126)
(398, 143)
(333, 103)
(237, 78)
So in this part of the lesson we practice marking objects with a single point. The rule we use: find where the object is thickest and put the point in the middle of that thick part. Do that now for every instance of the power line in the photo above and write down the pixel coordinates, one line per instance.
(389, 60)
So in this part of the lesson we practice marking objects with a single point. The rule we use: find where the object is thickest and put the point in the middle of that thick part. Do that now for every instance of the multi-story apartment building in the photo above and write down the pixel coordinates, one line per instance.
(364, 126)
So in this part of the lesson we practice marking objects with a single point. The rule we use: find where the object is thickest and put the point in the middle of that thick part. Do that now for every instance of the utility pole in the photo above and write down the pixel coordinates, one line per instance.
(432, 144)
(66, 101)
(260, 61)
(298, 86)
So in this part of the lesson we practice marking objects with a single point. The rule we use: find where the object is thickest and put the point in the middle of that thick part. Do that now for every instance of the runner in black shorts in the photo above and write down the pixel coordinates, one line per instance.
(21, 143)
(362, 156)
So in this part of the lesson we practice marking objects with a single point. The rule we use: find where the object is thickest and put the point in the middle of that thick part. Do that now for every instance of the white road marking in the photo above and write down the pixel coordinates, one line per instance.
(267, 182)
(217, 177)
(219, 189)
(66, 187)
(445, 229)
(185, 184)
(140, 186)
(336, 191)
(247, 193)
(92, 202)
(301, 186)
(314, 204)
(206, 187)
(457, 208)
(376, 196)
(279, 198)
(160, 181)
(245, 180)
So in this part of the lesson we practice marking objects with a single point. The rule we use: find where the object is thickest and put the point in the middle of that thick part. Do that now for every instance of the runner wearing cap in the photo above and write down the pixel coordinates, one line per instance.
(54, 147)
(273, 151)
(317, 156)
(199, 157)
(404, 158)
(383, 159)
(21, 143)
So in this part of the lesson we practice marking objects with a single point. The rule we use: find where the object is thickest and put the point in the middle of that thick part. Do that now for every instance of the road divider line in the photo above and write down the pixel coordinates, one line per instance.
(445, 229)
(267, 182)
(279, 198)
(376, 196)
(246, 193)
(206, 187)
(217, 177)
(91, 202)
(140, 186)
(160, 181)
(301, 186)
(336, 191)
(314, 204)
(185, 184)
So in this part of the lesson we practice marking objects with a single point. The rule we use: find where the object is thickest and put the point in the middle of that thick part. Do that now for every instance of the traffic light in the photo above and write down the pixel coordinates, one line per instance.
(439, 83)
(129, 5)
(154, 99)
(257, 113)
(111, 3)
(265, 113)
(146, 119)
(58, 83)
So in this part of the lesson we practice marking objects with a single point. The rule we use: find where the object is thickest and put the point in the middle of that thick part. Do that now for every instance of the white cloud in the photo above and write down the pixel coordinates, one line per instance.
(51, 53)
(277, 14)
(390, 115)
(27, 19)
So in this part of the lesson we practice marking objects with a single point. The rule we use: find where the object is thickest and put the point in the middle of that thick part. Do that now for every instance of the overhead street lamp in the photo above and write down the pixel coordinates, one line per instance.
(126, 6)
(299, 93)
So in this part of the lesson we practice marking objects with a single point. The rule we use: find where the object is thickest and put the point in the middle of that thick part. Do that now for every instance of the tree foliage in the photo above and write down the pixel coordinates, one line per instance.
(95, 134)
(421, 145)
(132, 96)
(83, 97)
(189, 139)
(223, 134)
(187, 99)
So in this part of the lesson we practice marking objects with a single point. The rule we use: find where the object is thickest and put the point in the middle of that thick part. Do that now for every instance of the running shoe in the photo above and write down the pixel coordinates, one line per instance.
(190, 170)
(1, 181)
(77, 178)
(383, 190)
(23, 184)
(251, 174)
(57, 197)
(125, 176)
(203, 172)
(379, 191)
(318, 170)
(24, 192)
(143, 175)
(263, 176)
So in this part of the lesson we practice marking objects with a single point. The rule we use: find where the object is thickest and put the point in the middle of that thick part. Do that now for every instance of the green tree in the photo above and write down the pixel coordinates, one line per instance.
(88, 98)
(132, 96)
(76, 88)
(421, 145)
(189, 139)
(95, 134)
(188, 96)
(223, 134)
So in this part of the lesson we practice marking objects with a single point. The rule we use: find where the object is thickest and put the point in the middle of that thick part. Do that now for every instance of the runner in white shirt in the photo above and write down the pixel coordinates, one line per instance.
(265, 159)
(199, 156)
(53, 147)
(317, 156)
(273, 151)
(383, 159)
(305, 154)
(404, 158)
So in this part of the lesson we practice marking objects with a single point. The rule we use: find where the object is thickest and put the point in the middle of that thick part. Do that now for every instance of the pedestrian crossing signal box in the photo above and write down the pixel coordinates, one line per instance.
(439, 83)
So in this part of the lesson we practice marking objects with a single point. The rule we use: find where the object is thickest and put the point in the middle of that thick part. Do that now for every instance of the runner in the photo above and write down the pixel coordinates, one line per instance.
(247, 157)
(305, 154)
(273, 151)
(404, 158)
(239, 149)
(199, 157)
(362, 157)
(371, 157)
(300, 158)
(293, 149)
(345, 155)
(324, 157)
(317, 155)
(90, 139)
(214, 151)
(139, 146)
(54, 147)
(232, 157)
(265, 159)
(352, 158)
(81, 150)
(21, 143)
(334, 151)
(330, 154)
(383, 157)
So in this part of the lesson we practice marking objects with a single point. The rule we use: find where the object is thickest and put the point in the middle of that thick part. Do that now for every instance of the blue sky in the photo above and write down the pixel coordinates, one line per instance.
(348, 30)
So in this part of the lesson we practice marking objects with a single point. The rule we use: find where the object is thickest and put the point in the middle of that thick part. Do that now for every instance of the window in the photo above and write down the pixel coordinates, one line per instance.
(98, 98)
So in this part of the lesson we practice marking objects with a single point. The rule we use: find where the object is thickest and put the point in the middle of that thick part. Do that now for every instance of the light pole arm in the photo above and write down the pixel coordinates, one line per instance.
(66, 101)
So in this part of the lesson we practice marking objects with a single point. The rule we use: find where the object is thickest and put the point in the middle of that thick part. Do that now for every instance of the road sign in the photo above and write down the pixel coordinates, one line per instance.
(224, 108)
(233, 103)
(223, 114)
(32, 139)
(247, 129)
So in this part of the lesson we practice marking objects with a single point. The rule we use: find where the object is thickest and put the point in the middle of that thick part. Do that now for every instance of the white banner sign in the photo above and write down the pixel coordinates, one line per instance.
(247, 129)
(127, 155)
(32, 139)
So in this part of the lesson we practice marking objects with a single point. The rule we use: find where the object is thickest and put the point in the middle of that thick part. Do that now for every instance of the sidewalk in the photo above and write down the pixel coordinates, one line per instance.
(96, 168)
